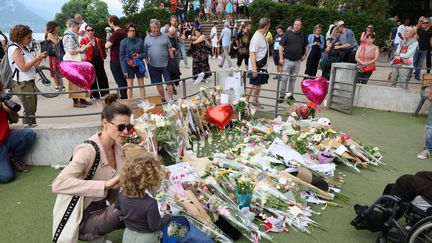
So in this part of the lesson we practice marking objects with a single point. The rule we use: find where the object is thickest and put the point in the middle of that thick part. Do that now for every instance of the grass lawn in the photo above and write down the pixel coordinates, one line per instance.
(26, 204)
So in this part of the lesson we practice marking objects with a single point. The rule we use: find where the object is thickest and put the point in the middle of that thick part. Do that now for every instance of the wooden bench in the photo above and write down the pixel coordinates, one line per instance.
(426, 83)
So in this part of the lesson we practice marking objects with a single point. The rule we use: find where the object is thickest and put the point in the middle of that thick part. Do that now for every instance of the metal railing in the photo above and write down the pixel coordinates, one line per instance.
(184, 95)
(275, 104)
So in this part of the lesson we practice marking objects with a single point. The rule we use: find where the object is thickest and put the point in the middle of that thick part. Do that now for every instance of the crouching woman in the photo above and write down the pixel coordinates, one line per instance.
(98, 217)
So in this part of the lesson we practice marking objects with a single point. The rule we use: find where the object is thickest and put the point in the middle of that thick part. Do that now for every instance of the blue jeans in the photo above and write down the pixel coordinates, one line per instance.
(419, 58)
(180, 17)
(16, 145)
(183, 53)
(428, 143)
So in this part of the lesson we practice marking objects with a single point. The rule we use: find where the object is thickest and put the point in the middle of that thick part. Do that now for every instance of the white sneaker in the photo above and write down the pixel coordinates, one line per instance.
(187, 67)
(423, 154)
(219, 57)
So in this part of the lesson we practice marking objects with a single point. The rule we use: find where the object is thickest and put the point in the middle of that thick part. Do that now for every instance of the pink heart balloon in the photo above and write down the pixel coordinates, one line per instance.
(81, 74)
(315, 89)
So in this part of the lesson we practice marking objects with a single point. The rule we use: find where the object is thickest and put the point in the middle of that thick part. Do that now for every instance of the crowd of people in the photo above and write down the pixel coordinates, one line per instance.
(211, 9)
(160, 54)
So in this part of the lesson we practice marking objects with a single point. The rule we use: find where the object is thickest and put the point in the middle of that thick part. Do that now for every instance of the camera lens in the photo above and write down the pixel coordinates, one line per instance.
(12, 105)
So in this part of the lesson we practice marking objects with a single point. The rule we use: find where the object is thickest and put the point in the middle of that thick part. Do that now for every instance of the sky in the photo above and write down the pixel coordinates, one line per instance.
(48, 8)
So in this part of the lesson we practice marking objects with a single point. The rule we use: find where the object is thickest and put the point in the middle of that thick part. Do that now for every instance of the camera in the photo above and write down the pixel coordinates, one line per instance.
(6, 99)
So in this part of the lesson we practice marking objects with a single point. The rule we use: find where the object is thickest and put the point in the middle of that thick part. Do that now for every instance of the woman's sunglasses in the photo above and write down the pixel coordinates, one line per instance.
(121, 127)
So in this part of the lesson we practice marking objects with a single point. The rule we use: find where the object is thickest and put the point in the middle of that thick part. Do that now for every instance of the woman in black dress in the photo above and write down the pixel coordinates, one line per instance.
(200, 54)
(316, 46)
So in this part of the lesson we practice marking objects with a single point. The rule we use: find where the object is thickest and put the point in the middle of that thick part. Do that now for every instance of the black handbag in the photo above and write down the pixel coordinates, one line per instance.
(49, 47)
(261, 63)
(173, 68)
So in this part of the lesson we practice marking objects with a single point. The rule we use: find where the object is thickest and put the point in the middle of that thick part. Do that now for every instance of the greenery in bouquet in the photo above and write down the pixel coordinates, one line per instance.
(177, 230)
(244, 186)
(133, 137)
(312, 107)
(167, 135)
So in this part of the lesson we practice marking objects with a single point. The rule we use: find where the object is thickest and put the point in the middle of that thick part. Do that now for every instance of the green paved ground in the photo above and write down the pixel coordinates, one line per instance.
(26, 204)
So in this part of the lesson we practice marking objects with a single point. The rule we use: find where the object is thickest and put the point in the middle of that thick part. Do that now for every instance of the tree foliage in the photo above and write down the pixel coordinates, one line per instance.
(130, 6)
(285, 14)
(92, 11)
(380, 8)
(156, 3)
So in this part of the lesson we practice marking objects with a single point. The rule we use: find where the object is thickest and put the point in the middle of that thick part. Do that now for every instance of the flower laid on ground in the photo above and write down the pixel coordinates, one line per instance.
(312, 107)
(253, 167)
(244, 186)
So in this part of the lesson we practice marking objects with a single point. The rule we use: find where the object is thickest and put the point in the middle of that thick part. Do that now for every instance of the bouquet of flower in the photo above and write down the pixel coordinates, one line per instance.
(244, 189)
(132, 137)
(177, 230)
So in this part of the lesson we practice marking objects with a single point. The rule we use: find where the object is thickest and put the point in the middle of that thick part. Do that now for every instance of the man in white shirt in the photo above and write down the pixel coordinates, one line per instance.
(258, 54)
(399, 34)
(82, 28)
(214, 41)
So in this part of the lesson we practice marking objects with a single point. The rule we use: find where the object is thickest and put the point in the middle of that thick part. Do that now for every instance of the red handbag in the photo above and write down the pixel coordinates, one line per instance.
(368, 68)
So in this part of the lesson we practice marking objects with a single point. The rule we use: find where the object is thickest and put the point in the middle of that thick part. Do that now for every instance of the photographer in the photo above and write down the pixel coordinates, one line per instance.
(14, 144)
(22, 59)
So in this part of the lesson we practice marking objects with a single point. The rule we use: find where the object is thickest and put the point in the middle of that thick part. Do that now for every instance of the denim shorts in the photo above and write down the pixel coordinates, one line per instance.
(156, 74)
(134, 71)
(276, 57)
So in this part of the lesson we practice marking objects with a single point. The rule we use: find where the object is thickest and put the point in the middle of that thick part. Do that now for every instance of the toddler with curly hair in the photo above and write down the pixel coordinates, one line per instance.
(139, 174)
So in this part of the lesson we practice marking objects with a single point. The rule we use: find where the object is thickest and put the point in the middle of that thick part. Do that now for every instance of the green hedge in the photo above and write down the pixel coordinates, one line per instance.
(141, 20)
(285, 14)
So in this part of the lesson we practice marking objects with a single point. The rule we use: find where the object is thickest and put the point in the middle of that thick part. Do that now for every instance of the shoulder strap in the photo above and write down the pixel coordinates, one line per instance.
(74, 200)
(16, 70)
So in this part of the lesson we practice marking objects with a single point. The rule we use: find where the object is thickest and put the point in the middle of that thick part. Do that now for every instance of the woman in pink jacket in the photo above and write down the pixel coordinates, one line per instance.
(98, 218)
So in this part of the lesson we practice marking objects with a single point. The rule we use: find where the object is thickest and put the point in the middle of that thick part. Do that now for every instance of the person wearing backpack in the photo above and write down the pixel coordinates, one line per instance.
(73, 52)
(52, 39)
(14, 144)
(22, 59)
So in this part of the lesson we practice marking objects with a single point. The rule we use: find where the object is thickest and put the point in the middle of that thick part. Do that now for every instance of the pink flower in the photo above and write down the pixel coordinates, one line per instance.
(224, 211)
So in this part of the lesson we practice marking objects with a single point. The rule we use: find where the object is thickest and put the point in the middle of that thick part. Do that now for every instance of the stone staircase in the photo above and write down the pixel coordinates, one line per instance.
(206, 29)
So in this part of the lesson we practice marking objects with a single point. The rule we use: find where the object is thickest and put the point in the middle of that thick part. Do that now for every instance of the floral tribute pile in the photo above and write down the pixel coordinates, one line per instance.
(233, 174)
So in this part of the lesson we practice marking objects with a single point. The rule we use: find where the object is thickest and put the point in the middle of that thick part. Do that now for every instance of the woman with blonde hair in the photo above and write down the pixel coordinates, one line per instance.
(403, 59)
(141, 174)
(316, 46)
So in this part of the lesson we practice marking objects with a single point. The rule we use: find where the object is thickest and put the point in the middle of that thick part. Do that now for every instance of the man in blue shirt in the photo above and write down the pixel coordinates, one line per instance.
(159, 50)
(226, 40)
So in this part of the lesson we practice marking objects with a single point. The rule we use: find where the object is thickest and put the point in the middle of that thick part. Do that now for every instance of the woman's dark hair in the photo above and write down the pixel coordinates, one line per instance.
(130, 25)
(371, 35)
(91, 26)
(113, 107)
(114, 20)
(50, 28)
(19, 32)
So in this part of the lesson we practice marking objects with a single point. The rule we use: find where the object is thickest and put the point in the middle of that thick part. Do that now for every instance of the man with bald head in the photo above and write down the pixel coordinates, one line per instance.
(172, 35)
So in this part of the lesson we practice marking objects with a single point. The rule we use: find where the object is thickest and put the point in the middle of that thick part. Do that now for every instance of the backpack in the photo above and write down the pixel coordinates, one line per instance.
(6, 73)
(59, 48)
(2, 52)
